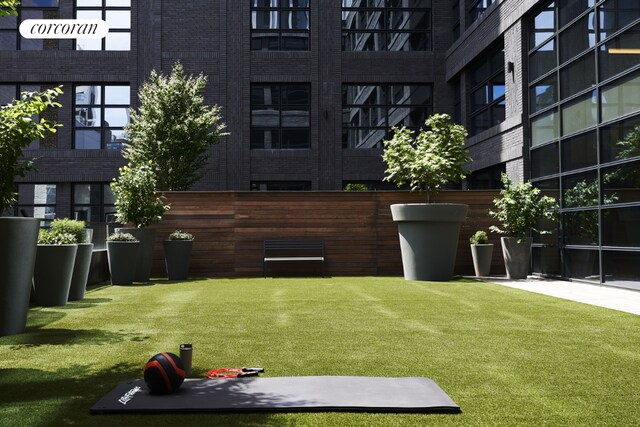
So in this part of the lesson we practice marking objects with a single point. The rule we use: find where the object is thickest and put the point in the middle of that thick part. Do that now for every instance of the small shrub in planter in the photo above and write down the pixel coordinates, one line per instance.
(481, 251)
(177, 254)
(122, 248)
(479, 238)
(121, 237)
(82, 264)
(55, 259)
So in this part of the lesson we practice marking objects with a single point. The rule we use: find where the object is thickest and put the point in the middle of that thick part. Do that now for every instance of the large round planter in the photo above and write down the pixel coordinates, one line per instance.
(81, 271)
(53, 272)
(18, 243)
(482, 254)
(429, 238)
(517, 257)
(147, 237)
(122, 266)
(177, 255)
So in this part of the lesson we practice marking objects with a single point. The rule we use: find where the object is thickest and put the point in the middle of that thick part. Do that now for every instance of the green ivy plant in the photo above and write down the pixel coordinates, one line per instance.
(173, 128)
(180, 235)
(70, 226)
(479, 238)
(433, 158)
(519, 208)
(17, 130)
(52, 237)
(136, 199)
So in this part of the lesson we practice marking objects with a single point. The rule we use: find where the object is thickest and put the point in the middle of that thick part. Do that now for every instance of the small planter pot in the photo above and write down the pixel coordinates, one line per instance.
(53, 273)
(517, 257)
(122, 265)
(429, 238)
(177, 256)
(18, 243)
(482, 254)
(81, 271)
(147, 237)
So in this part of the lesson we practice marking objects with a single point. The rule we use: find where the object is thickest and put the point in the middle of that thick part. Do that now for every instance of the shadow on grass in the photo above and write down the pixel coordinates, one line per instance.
(44, 398)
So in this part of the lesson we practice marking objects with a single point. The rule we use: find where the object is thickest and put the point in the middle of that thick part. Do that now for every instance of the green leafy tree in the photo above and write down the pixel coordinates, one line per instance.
(173, 128)
(434, 158)
(136, 199)
(21, 122)
(9, 7)
(520, 207)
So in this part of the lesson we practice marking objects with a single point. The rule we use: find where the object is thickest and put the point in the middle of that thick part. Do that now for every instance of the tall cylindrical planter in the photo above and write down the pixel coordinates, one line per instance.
(177, 255)
(517, 257)
(81, 271)
(122, 266)
(147, 237)
(18, 244)
(482, 254)
(53, 272)
(429, 238)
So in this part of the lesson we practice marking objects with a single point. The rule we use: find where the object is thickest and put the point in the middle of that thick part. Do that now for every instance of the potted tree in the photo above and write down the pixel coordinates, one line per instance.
(138, 203)
(19, 236)
(122, 248)
(177, 254)
(83, 255)
(481, 251)
(428, 232)
(55, 258)
(519, 209)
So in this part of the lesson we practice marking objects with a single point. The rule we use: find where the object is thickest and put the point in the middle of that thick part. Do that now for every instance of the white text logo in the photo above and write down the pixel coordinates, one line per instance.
(129, 395)
(63, 29)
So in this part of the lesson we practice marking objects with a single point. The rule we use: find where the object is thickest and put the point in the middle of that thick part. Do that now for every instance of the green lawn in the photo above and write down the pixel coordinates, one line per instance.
(507, 357)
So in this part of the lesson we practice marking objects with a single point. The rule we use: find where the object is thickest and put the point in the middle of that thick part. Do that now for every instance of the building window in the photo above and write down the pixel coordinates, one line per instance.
(369, 111)
(584, 115)
(117, 14)
(476, 8)
(10, 38)
(279, 24)
(456, 19)
(37, 201)
(487, 178)
(487, 92)
(101, 111)
(281, 186)
(10, 92)
(386, 25)
(280, 116)
(92, 202)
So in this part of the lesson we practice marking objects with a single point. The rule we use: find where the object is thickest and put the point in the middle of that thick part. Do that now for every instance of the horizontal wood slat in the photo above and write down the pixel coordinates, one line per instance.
(359, 234)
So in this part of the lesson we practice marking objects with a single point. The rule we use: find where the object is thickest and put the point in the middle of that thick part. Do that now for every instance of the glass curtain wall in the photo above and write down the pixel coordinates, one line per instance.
(584, 92)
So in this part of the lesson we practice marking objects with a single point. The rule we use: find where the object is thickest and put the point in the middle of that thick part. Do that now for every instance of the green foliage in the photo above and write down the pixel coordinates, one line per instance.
(520, 207)
(355, 187)
(136, 199)
(53, 237)
(180, 235)
(479, 238)
(70, 226)
(173, 128)
(9, 7)
(18, 129)
(630, 144)
(434, 158)
(121, 237)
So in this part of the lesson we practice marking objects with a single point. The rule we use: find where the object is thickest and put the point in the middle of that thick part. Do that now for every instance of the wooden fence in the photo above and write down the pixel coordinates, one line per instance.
(360, 236)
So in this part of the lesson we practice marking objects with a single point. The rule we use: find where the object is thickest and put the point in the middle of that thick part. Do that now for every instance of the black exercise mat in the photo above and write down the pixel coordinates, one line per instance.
(283, 394)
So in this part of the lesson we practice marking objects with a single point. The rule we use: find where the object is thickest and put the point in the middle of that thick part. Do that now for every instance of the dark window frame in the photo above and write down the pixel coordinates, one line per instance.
(102, 206)
(476, 8)
(20, 206)
(280, 33)
(488, 59)
(104, 9)
(16, 30)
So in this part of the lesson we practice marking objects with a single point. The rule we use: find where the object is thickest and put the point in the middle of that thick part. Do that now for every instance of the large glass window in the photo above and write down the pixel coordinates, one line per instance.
(369, 111)
(279, 24)
(487, 94)
(92, 202)
(10, 38)
(280, 116)
(101, 112)
(476, 8)
(117, 14)
(37, 201)
(386, 25)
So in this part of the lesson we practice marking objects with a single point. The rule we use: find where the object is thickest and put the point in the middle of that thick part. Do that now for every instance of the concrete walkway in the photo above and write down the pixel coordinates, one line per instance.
(602, 296)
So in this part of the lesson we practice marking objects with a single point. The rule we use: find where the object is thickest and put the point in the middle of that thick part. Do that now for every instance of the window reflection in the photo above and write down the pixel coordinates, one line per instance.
(282, 25)
(117, 14)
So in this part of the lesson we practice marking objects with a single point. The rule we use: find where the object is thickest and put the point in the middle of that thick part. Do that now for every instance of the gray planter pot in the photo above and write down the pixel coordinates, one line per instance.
(517, 257)
(429, 238)
(81, 271)
(53, 272)
(147, 238)
(177, 255)
(18, 243)
(482, 254)
(122, 266)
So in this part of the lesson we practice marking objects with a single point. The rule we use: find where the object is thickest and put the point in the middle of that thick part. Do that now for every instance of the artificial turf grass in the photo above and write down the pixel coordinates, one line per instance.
(507, 357)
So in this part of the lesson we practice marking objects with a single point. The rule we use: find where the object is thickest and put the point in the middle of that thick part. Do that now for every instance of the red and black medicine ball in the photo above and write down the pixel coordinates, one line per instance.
(164, 373)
